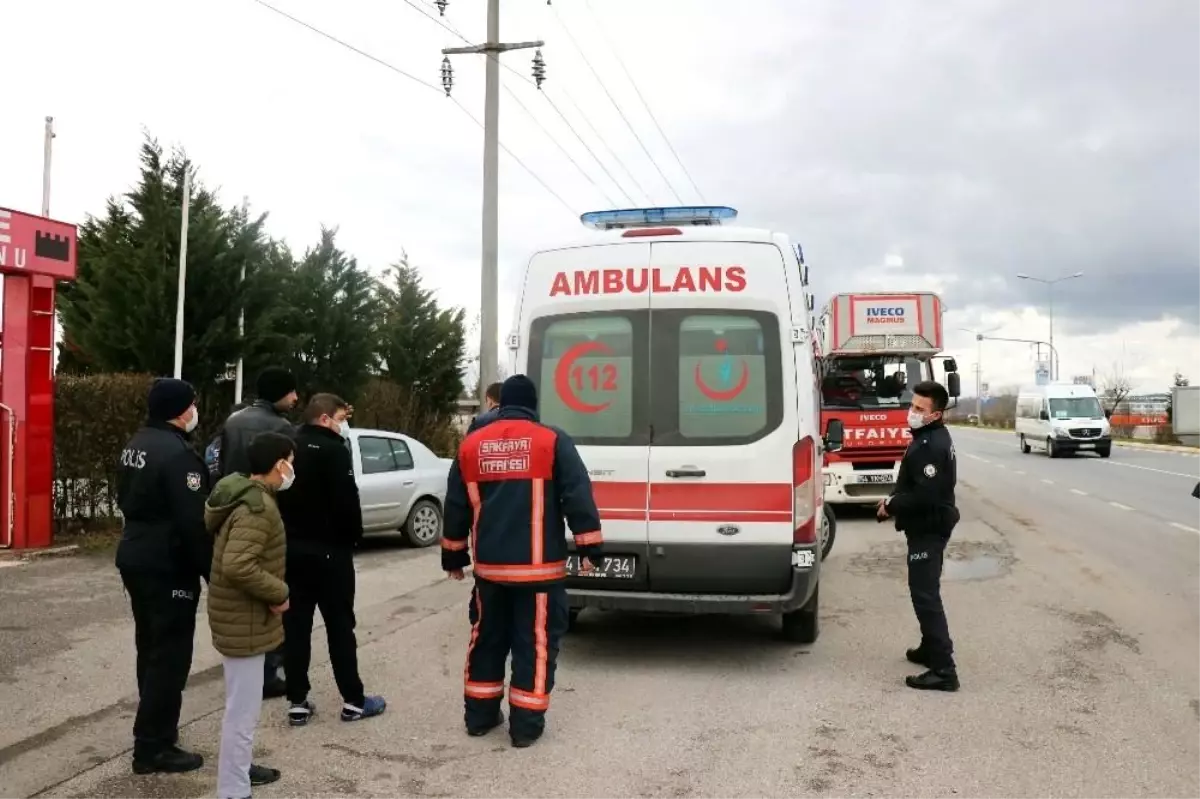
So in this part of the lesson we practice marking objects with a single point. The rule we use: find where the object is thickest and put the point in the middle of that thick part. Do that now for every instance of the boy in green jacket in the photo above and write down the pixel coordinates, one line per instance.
(247, 596)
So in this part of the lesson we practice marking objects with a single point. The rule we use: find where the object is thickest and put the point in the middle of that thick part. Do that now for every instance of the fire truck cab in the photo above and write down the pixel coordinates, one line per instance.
(874, 347)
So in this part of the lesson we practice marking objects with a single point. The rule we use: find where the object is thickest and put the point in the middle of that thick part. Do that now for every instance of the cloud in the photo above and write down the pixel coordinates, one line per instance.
(906, 145)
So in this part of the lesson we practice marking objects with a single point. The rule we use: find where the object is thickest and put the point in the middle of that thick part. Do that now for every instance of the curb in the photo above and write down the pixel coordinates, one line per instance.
(1148, 445)
(66, 551)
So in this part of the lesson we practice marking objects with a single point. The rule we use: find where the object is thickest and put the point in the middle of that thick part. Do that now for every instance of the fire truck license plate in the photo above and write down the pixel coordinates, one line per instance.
(874, 478)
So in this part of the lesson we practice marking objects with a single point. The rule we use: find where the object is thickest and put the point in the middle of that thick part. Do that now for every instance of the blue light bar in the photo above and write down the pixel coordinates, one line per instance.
(648, 217)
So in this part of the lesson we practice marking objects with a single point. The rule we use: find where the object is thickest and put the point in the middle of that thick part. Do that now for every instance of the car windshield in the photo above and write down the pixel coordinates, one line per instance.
(1076, 408)
(870, 382)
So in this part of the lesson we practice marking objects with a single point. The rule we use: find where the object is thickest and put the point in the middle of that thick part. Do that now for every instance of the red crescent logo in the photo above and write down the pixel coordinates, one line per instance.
(562, 376)
(723, 396)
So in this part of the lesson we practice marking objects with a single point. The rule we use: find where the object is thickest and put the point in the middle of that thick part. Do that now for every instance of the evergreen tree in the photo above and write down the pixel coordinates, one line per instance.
(422, 345)
(332, 321)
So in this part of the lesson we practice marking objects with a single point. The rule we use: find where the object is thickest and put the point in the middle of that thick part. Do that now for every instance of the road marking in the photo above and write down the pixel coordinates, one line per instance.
(7, 563)
(1020, 472)
(1150, 469)
(1047, 482)
(1001, 466)
(1119, 506)
(1185, 528)
(1080, 493)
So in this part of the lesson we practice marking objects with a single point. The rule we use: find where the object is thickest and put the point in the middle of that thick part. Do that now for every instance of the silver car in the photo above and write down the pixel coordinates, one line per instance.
(401, 485)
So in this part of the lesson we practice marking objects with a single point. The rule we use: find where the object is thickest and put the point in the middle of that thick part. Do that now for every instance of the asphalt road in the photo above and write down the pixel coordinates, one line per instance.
(1076, 629)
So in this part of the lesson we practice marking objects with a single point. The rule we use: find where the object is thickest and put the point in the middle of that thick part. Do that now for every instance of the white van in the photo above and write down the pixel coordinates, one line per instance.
(678, 355)
(1062, 419)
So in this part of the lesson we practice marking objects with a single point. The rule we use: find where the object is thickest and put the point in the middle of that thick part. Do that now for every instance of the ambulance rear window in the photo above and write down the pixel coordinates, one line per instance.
(586, 367)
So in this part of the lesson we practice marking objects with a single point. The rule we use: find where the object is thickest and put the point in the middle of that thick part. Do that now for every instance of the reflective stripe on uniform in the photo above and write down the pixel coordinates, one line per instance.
(532, 573)
(484, 690)
(589, 539)
(541, 650)
(537, 539)
(474, 636)
(453, 546)
(476, 510)
(528, 700)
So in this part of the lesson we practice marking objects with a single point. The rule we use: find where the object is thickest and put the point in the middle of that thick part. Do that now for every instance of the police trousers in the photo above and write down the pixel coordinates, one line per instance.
(926, 553)
(528, 623)
(164, 621)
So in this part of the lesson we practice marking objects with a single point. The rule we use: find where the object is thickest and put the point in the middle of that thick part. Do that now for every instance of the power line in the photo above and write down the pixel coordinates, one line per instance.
(600, 138)
(641, 97)
(520, 104)
(415, 79)
(616, 105)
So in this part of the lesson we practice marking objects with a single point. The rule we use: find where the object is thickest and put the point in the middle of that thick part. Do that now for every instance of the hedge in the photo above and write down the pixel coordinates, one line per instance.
(95, 415)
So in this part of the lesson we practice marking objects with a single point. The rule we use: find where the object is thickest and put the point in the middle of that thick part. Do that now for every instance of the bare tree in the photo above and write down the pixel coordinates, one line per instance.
(1115, 387)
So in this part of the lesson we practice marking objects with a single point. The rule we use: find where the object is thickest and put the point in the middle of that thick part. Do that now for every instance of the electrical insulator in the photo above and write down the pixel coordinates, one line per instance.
(539, 68)
(447, 75)
(441, 4)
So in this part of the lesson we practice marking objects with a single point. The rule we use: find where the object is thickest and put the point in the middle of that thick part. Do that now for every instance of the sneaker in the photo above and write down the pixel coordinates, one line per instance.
(263, 775)
(171, 760)
(371, 706)
(300, 712)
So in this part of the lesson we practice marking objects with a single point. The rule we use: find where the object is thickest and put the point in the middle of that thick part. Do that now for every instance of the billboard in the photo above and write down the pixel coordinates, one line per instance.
(1042, 373)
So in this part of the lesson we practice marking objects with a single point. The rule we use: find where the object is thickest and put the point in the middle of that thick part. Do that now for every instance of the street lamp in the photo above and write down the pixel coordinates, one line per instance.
(1050, 294)
(979, 367)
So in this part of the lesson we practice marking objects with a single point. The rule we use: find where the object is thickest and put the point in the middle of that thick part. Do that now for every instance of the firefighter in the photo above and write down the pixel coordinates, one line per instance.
(923, 508)
(162, 484)
(509, 489)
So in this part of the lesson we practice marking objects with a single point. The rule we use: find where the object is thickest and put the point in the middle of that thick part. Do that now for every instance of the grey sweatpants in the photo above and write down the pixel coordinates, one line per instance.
(243, 702)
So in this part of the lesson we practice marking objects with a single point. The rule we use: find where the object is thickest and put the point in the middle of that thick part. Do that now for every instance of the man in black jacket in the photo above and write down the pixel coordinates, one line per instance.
(162, 484)
(276, 389)
(923, 509)
(323, 518)
(491, 399)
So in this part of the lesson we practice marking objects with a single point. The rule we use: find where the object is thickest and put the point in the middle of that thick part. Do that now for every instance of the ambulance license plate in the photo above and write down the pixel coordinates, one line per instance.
(875, 478)
(612, 567)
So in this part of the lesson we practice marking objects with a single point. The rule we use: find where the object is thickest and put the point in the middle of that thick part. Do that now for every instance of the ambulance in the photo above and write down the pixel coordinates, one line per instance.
(677, 352)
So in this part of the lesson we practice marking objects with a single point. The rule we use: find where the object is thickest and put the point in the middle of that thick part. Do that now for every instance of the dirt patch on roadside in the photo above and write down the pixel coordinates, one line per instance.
(890, 559)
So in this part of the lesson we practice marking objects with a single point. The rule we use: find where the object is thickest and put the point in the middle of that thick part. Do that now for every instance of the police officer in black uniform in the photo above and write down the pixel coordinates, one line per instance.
(923, 509)
(164, 551)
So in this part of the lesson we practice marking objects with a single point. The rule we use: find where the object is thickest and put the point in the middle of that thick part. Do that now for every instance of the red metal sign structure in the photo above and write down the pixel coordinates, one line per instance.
(35, 252)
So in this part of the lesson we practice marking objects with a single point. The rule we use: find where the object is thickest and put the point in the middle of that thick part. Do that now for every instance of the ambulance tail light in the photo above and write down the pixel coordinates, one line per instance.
(637, 233)
(805, 490)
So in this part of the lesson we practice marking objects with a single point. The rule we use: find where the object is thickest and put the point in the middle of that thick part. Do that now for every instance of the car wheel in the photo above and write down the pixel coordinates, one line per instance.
(1104, 453)
(802, 626)
(1025, 448)
(424, 525)
(828, 532)
(1051, 450)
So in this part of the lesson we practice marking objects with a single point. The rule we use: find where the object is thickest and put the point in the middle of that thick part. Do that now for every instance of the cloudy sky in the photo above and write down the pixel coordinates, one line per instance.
(906, 144)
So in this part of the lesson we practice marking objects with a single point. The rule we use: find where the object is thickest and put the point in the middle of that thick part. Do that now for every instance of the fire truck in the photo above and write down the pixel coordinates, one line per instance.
(873, 348)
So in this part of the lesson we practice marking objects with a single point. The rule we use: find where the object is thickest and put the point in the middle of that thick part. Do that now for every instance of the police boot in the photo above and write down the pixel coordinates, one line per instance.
(934, 680)
(171, 760)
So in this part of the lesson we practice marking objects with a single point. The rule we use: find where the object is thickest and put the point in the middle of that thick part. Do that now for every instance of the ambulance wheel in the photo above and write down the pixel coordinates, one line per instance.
(1025, 446)
(572, 619)
(801, 626)
(828, 532)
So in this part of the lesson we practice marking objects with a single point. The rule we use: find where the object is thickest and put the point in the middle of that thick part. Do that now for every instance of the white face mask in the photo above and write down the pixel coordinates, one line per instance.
(916, 419)
(344, 428)
(192, 421)
(289, 477)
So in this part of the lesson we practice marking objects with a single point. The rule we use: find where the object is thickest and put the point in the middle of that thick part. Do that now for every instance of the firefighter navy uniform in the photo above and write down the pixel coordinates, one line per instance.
(509, 490)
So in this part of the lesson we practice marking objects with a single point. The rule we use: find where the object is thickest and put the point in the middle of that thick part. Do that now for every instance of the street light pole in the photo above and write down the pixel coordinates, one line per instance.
(48, 150)
(179, 295)
(978, 368)
(1050, 301)
(239, 375)
(489, 320)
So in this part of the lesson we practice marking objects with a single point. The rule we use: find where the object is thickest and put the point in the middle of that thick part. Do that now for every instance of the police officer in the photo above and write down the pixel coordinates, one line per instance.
(923, 509)
(276, 390)
(164, 551)
(509, 489)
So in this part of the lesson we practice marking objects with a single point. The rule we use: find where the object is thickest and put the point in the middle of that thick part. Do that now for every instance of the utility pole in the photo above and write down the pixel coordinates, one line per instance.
(48, 151)
(179, 295)
(1050, 300)
(979, 367)
(239, 376)
(489, 317)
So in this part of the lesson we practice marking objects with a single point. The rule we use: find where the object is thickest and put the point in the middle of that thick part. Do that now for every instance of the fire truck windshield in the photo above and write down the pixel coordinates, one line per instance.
(870, 382)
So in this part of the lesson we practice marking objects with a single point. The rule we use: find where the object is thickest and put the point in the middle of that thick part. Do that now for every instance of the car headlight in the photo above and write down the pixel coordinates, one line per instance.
(1061, 433)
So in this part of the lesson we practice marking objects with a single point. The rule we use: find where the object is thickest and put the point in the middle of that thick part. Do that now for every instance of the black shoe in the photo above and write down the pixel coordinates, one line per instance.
(476, 732)
(525, 741)
(172, 760)
(273, 689)
(917, 656)
(262, 775)
(934, 680)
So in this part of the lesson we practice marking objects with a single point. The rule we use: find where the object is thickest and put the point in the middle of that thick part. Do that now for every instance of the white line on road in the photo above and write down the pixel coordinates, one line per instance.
(1001, 466)
(1080, 493)
(7, 563)
(1185, 527)
(1020, 472)
(1047, 482)
(1149, 469)
(1119, 506)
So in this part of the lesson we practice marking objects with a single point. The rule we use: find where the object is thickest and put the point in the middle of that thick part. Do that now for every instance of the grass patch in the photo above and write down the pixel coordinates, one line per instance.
(91, 539)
